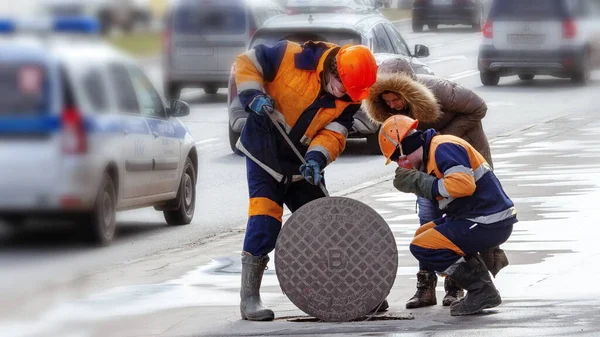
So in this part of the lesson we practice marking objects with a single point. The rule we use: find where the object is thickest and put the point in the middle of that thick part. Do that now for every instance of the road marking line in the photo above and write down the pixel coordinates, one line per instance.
(401, 20)
(208, 140)
(448, 58)
(463, 75)
(500, 103)
(467, 39)
(192, 92)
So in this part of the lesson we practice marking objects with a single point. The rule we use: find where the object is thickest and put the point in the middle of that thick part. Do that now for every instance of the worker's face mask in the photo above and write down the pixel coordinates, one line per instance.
(334, 86)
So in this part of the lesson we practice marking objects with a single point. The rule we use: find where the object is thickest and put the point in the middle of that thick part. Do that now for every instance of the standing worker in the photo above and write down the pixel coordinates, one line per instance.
(478, 213)
(313, 90)
(450, 109)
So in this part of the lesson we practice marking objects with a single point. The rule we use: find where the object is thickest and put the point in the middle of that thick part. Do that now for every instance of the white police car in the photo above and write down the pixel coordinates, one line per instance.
(84, 133)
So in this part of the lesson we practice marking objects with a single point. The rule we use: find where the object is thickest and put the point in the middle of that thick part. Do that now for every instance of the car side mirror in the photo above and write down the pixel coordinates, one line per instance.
(178, 108)
(421, 51)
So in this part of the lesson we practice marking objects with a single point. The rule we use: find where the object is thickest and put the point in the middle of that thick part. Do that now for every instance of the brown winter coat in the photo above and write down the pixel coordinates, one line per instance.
(437, 103)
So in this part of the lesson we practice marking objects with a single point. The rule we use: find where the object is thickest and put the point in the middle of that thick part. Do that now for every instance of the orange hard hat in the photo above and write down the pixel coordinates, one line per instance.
(392, 132)
(357, 68)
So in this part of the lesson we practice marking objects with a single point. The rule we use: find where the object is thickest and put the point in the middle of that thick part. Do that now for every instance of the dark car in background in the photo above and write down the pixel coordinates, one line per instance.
(202, 39)
(122, 14)
(560, 38)
(327, 6)
(372, 30)
(448, 12)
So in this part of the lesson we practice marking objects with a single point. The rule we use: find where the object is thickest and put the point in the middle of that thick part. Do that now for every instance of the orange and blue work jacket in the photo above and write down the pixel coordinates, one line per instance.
(316, 121)
(466, 187)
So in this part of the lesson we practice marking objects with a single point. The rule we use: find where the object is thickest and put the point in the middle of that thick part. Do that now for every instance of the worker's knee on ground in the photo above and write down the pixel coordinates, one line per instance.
(424, 228)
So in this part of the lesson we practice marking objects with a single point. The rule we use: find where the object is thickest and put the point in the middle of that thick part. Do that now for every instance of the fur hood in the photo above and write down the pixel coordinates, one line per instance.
(422, 103)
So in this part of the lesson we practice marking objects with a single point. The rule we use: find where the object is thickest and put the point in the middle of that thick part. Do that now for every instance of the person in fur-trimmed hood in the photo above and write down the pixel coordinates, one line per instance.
(450, 109)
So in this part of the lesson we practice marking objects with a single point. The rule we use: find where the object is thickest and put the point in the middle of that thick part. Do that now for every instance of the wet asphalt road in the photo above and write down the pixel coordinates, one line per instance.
(36, 261)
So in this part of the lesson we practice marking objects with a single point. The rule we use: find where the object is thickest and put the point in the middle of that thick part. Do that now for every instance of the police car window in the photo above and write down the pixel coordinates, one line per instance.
(94, 89)
(24, 89)
(397, 41)
(148, 98)
(123, 89)
(382, 41)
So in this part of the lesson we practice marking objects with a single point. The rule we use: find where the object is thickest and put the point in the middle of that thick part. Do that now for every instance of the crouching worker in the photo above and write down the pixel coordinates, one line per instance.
(478, 215)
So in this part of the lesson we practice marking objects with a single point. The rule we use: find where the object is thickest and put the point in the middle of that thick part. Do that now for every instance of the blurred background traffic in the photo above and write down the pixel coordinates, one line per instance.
(117, 100)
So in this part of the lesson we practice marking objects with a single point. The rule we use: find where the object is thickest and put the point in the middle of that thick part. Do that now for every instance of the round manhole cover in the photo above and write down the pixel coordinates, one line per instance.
(336, 259)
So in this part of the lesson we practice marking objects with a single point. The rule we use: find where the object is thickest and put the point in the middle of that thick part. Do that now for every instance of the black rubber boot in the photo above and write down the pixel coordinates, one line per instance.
(383, 306)
(473, 276)
(453, 291)
(425, 295)
(251, 306)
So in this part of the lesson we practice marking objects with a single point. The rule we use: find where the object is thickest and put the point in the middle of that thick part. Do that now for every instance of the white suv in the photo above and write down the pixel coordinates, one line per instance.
(560, 38)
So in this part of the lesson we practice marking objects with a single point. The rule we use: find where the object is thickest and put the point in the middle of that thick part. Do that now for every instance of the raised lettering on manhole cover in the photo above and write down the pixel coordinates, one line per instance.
(336, 259)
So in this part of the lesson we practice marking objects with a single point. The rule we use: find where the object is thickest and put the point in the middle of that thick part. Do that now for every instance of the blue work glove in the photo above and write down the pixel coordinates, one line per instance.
(311, 171)
(261, 104)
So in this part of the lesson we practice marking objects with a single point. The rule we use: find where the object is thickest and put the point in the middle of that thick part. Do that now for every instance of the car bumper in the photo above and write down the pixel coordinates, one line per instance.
(197, 77)
(72, 189)
(555, 62)
(445, 15)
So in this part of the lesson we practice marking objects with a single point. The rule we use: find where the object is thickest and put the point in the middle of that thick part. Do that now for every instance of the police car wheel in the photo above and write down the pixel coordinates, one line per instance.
(103, 217)
(186, 196)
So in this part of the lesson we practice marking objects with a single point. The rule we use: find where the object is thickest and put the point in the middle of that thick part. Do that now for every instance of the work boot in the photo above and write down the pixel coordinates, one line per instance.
(473, 276)
(383, 306)
(425, 295)
(453, 291)
(251, 306)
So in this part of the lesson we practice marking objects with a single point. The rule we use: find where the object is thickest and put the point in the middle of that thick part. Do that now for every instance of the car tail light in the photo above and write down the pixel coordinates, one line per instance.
(569, 29)
(488, 30)
(232, 86)
(74, 139)
(291, 11)
(251, 32)
(69, 201)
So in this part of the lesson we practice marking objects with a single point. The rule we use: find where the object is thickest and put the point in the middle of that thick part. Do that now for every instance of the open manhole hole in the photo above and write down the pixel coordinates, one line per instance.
(308, 319)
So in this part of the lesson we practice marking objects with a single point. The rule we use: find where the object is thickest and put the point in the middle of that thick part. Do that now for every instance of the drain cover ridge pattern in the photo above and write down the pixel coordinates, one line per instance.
(336, 259)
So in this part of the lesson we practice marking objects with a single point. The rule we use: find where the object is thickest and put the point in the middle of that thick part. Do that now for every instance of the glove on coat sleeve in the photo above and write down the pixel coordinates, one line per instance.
(414, 181)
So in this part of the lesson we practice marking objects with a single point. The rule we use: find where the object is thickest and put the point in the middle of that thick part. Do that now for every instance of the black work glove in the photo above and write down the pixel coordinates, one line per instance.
(414, 181)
